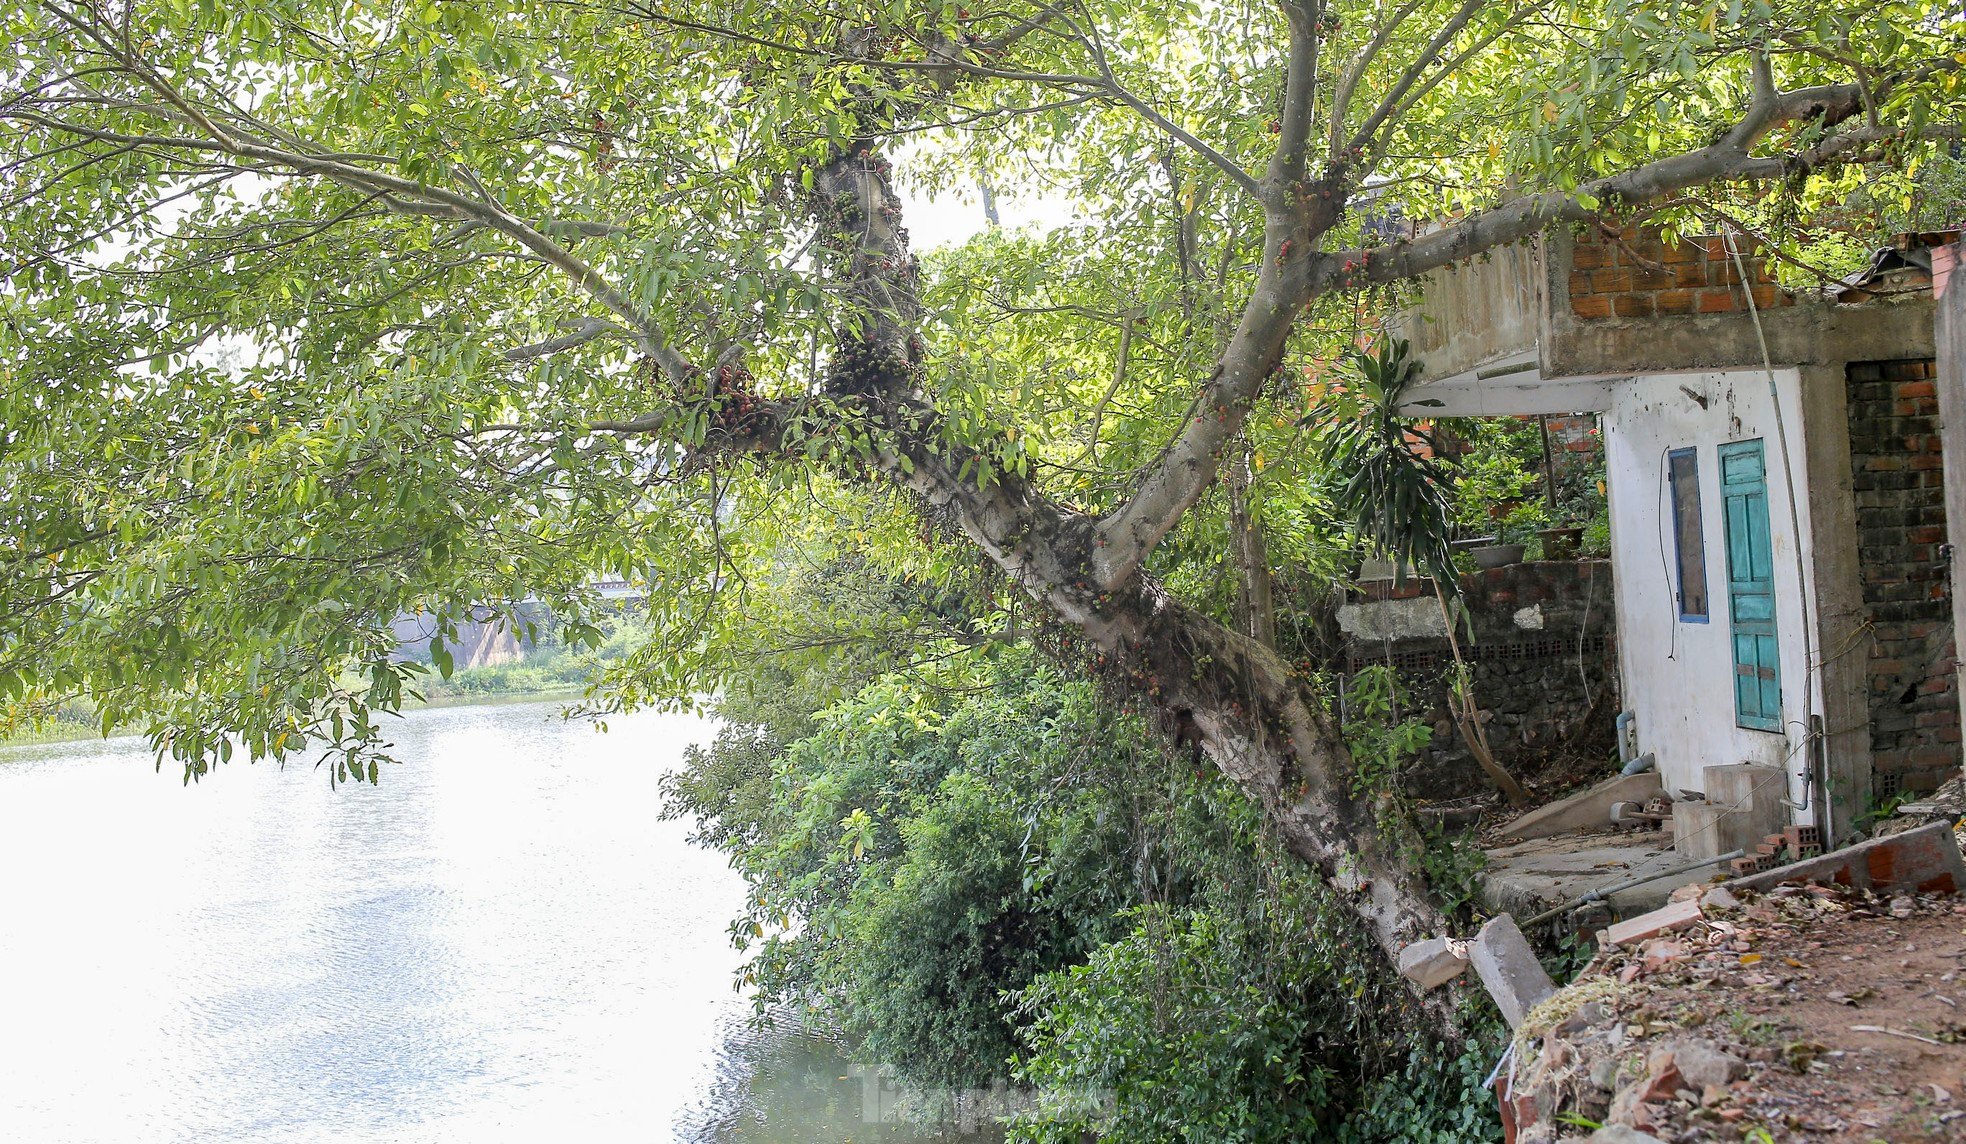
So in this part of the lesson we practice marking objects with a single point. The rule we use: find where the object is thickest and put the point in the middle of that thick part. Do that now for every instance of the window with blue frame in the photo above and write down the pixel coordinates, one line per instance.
(1751, 586)
(1689, 541)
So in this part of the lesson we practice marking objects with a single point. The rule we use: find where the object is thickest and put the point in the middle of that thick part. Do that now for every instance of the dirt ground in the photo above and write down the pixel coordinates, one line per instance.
(1808, 1014)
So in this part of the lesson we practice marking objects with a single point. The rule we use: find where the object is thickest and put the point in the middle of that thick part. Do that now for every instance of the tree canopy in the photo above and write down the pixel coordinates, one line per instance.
(321, 311)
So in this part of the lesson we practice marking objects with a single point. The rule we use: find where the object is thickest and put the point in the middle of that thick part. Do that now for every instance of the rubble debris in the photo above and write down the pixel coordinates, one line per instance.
(1947, 804)
(1434, 962)
(1925, 859)
(1719, 899)
(1738, 1026)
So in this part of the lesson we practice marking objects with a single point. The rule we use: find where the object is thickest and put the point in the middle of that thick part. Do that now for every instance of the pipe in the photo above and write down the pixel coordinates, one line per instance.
(1641, 764)
(1627, 738)
(1619, 887)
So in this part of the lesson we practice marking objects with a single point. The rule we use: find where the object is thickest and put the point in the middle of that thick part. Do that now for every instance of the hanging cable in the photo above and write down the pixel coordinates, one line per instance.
(1809, 723)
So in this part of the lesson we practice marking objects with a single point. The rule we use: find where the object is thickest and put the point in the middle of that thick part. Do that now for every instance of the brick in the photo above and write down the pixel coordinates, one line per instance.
(1589, 256)
(1580, 283)
(1672, 916)
(1690, 274)
(1591, 306)
(1611, 280)
(1768, 297)
(1716, 301)
(1648, 278)
(1675, 301)
(1683, 252)
(1632, 305)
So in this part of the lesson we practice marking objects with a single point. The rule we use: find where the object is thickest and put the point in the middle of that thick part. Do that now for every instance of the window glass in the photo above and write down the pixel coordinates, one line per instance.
(1683, 476)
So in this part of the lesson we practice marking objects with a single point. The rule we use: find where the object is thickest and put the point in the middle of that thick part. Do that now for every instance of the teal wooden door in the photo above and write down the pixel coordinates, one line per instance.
(1751, 587)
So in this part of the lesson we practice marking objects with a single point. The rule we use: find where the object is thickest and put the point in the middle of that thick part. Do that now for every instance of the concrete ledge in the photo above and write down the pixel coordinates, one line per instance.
(1926, 860)
(1585, 810)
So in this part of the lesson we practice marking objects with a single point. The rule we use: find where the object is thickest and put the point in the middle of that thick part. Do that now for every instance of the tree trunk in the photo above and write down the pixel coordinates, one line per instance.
(1255, 604)
(1219, 690)
(1213, 687)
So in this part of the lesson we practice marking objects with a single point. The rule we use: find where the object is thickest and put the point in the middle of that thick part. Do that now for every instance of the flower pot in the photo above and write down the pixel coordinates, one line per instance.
(1496, 555)
(1562, 543)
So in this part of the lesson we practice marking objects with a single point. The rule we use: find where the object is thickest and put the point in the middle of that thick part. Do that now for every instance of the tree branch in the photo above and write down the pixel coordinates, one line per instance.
(1287, 283)
(586, 331)
(408, 196)
(1730, 158)
(1287, 165)
(1111, 84)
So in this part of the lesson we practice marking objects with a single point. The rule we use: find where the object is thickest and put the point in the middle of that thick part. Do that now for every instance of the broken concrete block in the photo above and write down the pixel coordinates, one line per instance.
(1719, 899)
(1509, 969)
(1434, 962)
(1926, 860)
(1586, 810)
(1706, 1065)
(1669, 917)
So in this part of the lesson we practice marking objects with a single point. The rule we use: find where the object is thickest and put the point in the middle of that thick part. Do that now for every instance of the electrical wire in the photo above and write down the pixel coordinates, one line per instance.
(1809, 778)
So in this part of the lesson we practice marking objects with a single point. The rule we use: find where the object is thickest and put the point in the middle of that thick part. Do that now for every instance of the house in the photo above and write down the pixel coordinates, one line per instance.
(1778, 502)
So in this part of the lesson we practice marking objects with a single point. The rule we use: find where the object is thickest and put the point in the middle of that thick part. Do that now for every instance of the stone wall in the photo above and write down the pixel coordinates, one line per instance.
(1544, 658)
(1898, 479)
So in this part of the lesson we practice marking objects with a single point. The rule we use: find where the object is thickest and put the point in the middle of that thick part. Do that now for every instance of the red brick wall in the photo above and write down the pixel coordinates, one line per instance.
(1638, 275)
(1898, 479)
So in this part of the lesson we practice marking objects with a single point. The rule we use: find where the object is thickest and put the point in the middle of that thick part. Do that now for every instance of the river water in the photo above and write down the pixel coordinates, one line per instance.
(501, 942)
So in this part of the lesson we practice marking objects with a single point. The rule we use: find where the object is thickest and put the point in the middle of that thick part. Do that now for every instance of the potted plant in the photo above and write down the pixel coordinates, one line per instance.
(1512, 538)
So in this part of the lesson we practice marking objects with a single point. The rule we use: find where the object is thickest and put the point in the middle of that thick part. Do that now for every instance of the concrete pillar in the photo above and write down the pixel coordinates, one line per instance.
(1841, 637)
(1949, 287)
(1509, 969)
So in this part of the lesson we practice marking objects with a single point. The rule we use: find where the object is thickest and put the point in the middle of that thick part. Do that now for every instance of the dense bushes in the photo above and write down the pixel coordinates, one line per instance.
(981, 873)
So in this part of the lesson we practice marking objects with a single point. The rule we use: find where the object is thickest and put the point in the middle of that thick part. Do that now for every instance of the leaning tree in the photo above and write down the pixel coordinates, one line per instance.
(318, 312)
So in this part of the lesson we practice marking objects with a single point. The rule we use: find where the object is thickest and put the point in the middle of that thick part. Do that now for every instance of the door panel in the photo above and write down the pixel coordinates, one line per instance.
(1751, 586)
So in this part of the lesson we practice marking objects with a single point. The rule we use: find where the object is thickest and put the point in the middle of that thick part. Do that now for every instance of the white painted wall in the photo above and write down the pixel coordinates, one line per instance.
(1679, 676)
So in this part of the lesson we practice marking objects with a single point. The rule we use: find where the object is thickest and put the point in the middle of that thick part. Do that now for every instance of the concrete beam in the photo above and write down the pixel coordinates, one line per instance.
(1469, 395)
(1669, 917)
(1949, 283)
(1585, 810)
(1836, 603)
(1509, 969)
